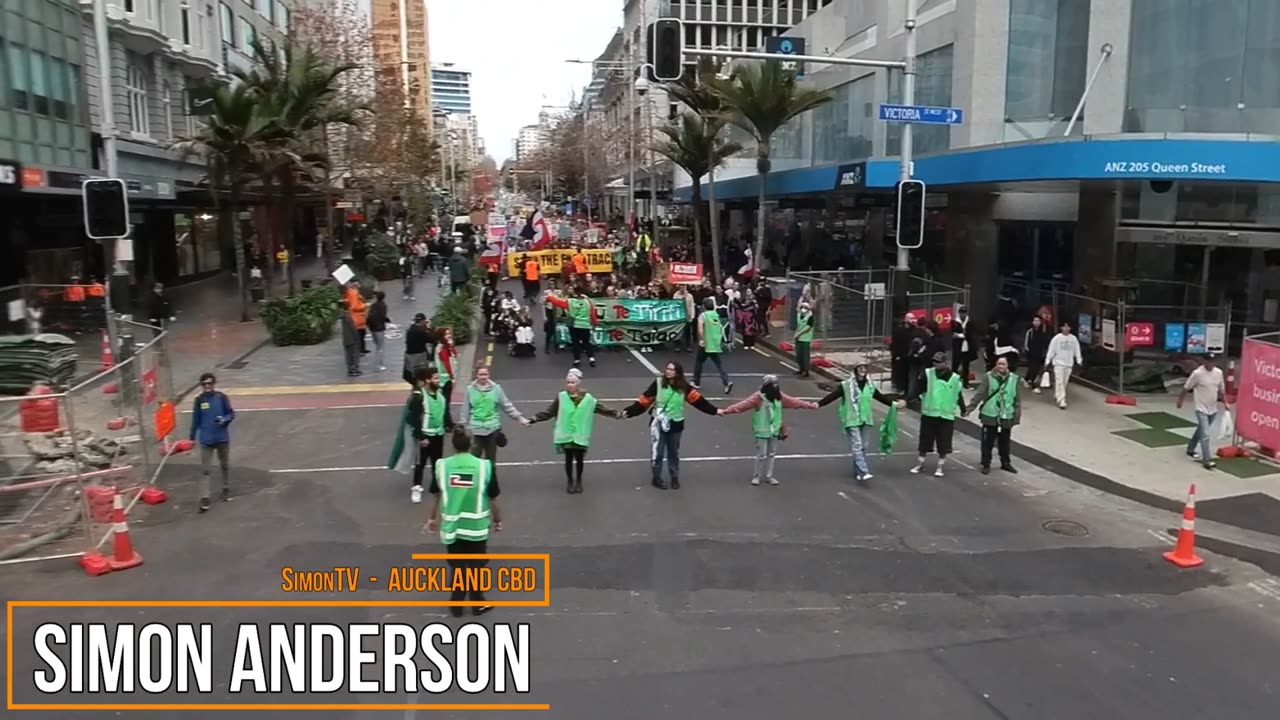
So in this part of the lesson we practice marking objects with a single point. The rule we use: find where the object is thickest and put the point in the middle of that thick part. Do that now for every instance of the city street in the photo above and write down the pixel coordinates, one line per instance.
(910, 597)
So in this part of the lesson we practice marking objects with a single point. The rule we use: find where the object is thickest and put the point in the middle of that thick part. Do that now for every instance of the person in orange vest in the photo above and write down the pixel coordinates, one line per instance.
(359, 313)
(74, 292)
(579, 262)
(532, 279)
(97, 290)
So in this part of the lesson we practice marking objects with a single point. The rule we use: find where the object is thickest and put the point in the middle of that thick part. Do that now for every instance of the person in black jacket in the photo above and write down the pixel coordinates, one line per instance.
(430, 446)
(666, 398)
(964, 344)
(417, 346)
(159, 309)
(1036, 344)
(377, 324)
(900, 350)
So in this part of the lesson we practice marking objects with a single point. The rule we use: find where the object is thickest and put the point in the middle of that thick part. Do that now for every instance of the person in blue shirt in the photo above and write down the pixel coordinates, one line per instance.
(210, 417)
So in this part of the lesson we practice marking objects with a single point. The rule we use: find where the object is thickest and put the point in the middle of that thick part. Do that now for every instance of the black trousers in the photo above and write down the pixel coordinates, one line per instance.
(898, 367)
(936, 433)
(995, 437)
(363, 333)
(427, 457)
(960, 365)
(486, 446)
(467, 547)
(573, 461)
(581, 338)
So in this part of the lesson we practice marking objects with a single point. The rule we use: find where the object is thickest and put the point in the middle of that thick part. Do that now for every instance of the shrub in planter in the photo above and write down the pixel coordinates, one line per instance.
(304, 319)
(383, 258)
(459, 313)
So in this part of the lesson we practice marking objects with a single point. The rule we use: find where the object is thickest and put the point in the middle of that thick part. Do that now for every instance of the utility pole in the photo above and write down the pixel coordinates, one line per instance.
(902, 271)
(631, 133)
(586, 158)
(118, 283)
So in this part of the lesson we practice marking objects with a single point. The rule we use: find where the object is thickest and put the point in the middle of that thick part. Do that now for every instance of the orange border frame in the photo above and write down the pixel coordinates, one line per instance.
(544, 602)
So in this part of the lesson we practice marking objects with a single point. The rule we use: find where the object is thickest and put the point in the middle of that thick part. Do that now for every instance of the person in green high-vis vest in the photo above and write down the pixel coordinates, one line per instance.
(999, 407)
(766, 423)
(710, 344)
(582, 316)
(426, 420)
(941, 398)
(574, 411)
(664, 400)
(857, 395)
(483, 404)
(464, 508)
(804, 339)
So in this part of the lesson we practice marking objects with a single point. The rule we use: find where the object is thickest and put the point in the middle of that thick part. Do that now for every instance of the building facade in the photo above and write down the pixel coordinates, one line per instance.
(1166, 177)
(401, 50)
(451, 88)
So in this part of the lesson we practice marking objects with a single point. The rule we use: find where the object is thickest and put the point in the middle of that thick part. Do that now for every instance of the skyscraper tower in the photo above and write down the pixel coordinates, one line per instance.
(401, 52)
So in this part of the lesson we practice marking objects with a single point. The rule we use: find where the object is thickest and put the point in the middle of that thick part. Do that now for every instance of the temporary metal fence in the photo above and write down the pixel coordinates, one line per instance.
(58, 450)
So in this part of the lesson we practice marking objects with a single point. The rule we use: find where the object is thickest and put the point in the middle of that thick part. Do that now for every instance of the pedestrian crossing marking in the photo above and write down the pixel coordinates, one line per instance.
(311, 389)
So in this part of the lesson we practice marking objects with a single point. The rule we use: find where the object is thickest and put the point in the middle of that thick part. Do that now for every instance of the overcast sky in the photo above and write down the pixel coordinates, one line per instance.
(516, 51)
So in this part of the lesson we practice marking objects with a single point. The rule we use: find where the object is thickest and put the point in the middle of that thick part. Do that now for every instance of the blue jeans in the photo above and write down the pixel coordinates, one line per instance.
(1204, 421)
(860, 440)
(667, 446)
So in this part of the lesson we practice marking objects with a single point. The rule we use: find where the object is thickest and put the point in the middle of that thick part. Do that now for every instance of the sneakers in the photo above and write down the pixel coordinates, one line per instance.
(755, 481)
(592, 361)
(204, 505)
(865, 477)
(1036, 391)
(986, 469)
(1062, 406)
(938, 472)
(773, 481)
(916, 470)
(728, 388)
(415, 495)
(1210, 465)
(1009, 468)
(226, 494)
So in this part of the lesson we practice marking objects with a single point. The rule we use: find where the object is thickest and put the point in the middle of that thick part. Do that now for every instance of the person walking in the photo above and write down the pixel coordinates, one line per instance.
(159, 310)
(583, 317)
(665, 399)
(480, 405)
(1208, 391)
(464, 508)
(941, 398)
(574, 410)
(377, 323)
(1035, 343)
(426, 419)
(350, 339)
(211, 416)
(532, 279)
(856, 393)
(459, 273)
(417, 347)
(767, 423)
(710, 345)
(804, 339)
(999, 406)
(1063, 355)
(409, 268)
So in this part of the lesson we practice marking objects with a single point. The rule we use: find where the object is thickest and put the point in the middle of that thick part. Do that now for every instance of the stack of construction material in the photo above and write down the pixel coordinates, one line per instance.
(29, 359)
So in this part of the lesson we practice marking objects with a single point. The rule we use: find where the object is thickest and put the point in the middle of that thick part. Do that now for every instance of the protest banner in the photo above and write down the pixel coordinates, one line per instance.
(599, 260)
(633, 322)
(685, 273)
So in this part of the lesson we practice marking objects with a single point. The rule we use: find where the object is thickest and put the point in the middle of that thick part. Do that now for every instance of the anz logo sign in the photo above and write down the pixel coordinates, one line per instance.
(852, 176)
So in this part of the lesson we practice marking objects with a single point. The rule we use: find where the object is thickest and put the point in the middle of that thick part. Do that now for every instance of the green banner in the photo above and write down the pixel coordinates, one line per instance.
(633, 322)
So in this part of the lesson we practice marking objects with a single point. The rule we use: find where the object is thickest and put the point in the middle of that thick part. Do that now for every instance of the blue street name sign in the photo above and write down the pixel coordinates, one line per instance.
(921, 114)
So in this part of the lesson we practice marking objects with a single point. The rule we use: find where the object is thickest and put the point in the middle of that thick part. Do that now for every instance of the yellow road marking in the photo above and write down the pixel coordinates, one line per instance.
(311, 389)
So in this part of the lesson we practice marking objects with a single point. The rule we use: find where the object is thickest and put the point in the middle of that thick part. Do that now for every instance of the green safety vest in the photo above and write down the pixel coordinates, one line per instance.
(671, 402)
(580, 313)
(804, 327)
(941, 399)
(463, 480)
(767, 419)
(574, 421)
(1000, 401)
(855, 404)
(484, 408)
(433, 408)
(712, 331)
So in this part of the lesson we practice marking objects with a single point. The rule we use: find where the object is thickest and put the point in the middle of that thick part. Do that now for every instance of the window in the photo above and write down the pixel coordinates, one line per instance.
(933, 87)
(282, 17)
(250, 36)
(168, 110)
(268, 10)
(1048, 58)
(75, 109)
(844, 128)
(185, 14)
(58, 88)
(128, 5)
(40, 83)
(136, 88)
(18, 82)
(227, 25)
(251, 3)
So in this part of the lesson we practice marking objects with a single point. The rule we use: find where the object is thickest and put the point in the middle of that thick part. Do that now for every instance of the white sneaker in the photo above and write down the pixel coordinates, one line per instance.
(382, 368)
(755, 481)
(865, 477)
(773, 481)
(916, 470)
(416, 494)
(1036, 391)
(937, 473)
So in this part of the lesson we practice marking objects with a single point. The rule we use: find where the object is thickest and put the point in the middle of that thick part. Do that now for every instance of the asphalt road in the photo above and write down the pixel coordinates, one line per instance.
(911, 597)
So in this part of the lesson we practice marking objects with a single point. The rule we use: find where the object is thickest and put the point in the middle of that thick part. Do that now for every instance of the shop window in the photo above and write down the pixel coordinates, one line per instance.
(20, 86)
(1048, 58)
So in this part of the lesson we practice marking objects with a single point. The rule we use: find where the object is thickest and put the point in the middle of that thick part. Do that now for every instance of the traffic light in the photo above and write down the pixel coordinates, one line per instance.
(911, 214)
(666, 49)
(106, 209)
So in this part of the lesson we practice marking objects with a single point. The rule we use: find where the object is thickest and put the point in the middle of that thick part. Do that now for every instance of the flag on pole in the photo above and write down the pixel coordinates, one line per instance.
(749, 269)
(537, 231)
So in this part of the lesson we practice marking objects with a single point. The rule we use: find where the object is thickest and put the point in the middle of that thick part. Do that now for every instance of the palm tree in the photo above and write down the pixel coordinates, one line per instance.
(695, 145)
(762, 98)
(236, 141)
(694, 91)
(301, 89)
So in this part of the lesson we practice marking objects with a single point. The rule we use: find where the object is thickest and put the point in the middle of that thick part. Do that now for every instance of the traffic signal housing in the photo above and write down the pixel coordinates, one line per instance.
(106, 209)
(666, 49)
(911, 214)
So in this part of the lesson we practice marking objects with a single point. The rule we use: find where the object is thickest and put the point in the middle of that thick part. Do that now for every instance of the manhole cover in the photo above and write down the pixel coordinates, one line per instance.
(1066, 527)
(237, 365)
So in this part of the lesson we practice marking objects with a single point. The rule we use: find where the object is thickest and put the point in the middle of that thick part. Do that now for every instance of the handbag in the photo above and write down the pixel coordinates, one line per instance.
(1046, 379)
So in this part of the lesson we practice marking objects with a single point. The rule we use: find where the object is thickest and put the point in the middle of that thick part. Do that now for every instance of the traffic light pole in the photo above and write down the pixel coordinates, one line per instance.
(902, 271)
(118, 284)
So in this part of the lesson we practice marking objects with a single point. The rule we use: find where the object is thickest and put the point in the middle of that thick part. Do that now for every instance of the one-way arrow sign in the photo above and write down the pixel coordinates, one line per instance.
(922, 114)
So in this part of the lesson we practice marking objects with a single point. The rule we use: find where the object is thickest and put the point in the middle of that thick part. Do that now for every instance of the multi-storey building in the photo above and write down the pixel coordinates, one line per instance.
(532, 139)
(1162, 173)
(451, 88)
(401, 52)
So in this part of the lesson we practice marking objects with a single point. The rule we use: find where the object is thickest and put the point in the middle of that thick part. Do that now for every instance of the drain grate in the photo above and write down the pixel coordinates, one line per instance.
(1066, 527)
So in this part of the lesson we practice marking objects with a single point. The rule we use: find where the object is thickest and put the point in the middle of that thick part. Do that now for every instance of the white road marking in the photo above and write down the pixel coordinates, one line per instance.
(644, 361)
(1162, 537)
(593, 461)
(542, 403)
(1270, 588)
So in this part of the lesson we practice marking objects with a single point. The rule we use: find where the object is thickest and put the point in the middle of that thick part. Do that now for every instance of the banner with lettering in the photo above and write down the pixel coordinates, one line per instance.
(633, 322)
(599, 260)
(1258, 405)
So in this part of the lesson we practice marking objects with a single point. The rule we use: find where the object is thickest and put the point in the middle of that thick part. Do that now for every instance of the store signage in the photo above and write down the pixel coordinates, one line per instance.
(10, 175)
(1139, 334)
(32, 177)
(1258, 405)
(1149, 168)
(852, 176)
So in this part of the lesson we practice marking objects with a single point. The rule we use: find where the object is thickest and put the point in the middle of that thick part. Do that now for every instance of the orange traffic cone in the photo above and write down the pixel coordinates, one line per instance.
(108, 358)
(123, 555)
(1184, 553)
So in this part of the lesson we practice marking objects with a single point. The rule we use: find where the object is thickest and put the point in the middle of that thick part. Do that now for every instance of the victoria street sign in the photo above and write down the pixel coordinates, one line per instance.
(922, 114)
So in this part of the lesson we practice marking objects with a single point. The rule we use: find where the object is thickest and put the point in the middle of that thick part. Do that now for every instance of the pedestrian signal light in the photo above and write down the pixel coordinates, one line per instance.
(666, 49)
(106, 209)
(911, 214)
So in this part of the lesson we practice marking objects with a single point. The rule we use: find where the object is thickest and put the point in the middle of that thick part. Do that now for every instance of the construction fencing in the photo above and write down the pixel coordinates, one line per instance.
(61, 450)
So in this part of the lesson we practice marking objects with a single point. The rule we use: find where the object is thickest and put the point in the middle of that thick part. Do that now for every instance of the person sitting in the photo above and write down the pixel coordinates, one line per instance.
(523, 345)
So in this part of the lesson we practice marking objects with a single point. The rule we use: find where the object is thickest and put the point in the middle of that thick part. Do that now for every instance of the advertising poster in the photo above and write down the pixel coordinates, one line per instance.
(1175, 337)
(1215, 337)
(1109, 334)
(1139, 334)
(1085, 329)
(1196, 338)
(1258, 405)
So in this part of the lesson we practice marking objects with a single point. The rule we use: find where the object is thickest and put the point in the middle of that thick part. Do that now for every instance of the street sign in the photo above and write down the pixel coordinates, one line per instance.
(782, 45)
(200, 101)
(923, 114)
